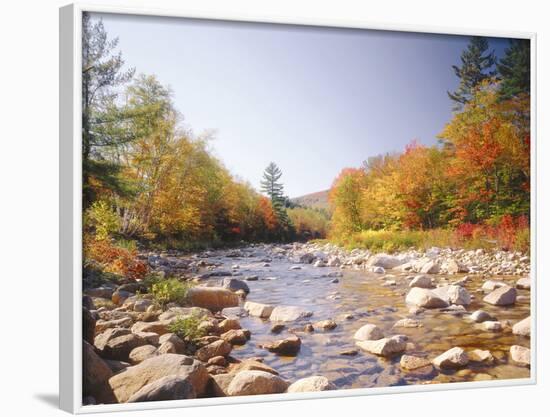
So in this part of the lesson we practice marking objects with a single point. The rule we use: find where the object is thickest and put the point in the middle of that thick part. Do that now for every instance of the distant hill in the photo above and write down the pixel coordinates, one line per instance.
(314, 200)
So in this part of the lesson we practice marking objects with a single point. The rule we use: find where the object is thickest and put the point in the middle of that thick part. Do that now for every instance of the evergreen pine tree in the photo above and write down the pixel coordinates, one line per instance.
(274, 189)
(515, 69)
(476, 66)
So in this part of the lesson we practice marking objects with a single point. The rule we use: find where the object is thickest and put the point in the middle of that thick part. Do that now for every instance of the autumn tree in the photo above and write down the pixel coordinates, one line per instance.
(345, 196)
(514, 69)
(103, 127)
(476, 65)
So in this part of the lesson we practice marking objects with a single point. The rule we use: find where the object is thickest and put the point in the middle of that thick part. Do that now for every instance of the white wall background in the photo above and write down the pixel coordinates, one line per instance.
(29, 194)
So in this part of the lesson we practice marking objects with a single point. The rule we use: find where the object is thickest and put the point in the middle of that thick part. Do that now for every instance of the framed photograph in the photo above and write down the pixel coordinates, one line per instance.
(255, 209)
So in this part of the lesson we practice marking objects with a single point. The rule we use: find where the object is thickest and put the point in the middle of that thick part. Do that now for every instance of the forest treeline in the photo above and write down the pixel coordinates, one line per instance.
(146, 179)
(475, 182)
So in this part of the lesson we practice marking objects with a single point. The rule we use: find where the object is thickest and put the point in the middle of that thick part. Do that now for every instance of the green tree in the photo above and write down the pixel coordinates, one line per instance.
(102, 121)
(476, 66)
(514, 69)
(274, 189)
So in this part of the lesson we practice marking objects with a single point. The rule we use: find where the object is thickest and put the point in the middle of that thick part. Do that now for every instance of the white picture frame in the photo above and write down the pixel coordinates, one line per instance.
(70, 284)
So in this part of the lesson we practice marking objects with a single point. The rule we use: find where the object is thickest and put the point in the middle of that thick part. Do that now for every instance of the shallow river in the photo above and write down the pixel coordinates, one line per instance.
(361, 294)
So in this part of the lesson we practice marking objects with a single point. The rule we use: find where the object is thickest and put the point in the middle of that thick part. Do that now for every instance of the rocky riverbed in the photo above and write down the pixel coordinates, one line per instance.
(311, 317)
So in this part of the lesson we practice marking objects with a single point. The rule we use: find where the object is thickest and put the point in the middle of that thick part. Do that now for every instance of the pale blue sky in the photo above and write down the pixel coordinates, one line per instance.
(313, 100)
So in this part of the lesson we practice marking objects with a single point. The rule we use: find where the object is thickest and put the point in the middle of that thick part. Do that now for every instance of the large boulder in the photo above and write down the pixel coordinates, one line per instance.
(258, 309)
(523, 327)
(368, 332)
(289, 313)
(236, 336)
(453, 294)
(422, 297)
(95, 375)
(88, 325)
(387, 346)
(453, 358)
(492, 285)
(234, 284)
(158, 327)
(101, 340)
(256, 383)
(212, 298)
(172, 387)
(119, 348)
(229, 324)
(217, 348)
(288, 347)
(520, 354)
(125, 384)
(502, 296)
(142, 353)
(311, 384)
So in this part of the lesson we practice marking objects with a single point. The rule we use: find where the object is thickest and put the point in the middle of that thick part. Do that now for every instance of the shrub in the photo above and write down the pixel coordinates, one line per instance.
(188, 327)
(102, 219)
(114, 259)
(169, 291)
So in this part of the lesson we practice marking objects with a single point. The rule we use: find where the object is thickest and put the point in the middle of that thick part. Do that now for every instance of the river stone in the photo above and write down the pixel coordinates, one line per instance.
(421, 281)
(408, 323)
(453, 358)
(101, 340)
(256, 383)
(325, 325)
(524, 283)
(386, 261)
(212, 298)
(258, 310)
(384, 347)
(142, 353)
(158, 327)
(217, 348)
(287, 347)
(130, 381)
(100, 292)
(478, 355)
(184, 312)
(277, 328)
(234, 284)
(411, 363)
(172, 387)
(311, 384)
(119, 348)
(502, 296)
(119, 296)
(95, 375)
(236, 336)
(173, 339)
(422, 297)
(453, 294)
(492, 285)
(368, 332)
(479, 316)
(102, 325)
(520, 354)
(430, 267)
(253, 365)
(523, 327)
(88, 326)
(493, 326)
(229, 324)
(289, 313)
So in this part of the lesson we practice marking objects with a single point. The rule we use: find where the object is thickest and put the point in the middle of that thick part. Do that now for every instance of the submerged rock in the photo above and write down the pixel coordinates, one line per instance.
(289, 346)
(520, 354)
(289, 313)
(453, 358)
(311, 384)
(258, 309)
(384, 347)
(368, 332)
(422, 297)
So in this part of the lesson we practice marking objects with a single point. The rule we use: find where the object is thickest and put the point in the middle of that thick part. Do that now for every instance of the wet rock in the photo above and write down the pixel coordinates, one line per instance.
(277, 328)
(421, 281)
(493, 326)
(236, 336)
(311, 384)
(384, 347)
(479, 316)
(234, 284)
(258, 309)
(325, 325)
(129, 382)
(172, 387)
(422, 297)
(453, 294)
(212, 298)
(349, 352)
(453, 358)
(251, 278)
(256, 383)
(524, 283)
(368, 332)
(478, 355)
(306, 258)
(217, 348)
(502, 296)
(520, 354)
(288, 347)
(408, 323)
(308, 328)
(234, 312)
(289, 313)
(523, 327)
(411, 363)
(142, 353)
